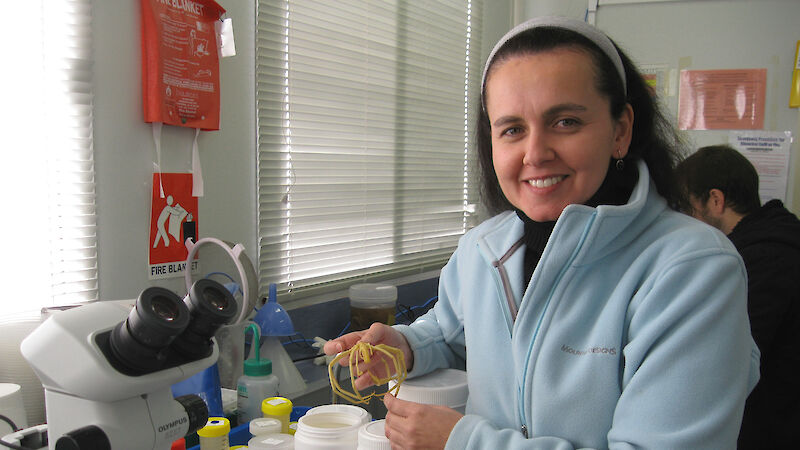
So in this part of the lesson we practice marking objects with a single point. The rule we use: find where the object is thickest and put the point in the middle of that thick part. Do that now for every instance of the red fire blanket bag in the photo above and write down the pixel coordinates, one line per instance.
(180, 62)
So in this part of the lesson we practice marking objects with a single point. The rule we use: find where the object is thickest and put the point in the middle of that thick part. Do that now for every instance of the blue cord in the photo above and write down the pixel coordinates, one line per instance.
(221, 273)
(343, 330)
(424, 305)
(232, 287)
(304, 340)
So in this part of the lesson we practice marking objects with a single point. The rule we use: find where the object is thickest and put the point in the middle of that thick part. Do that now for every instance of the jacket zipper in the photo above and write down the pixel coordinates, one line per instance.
(509, 293)
(524, 427)
(499, 265)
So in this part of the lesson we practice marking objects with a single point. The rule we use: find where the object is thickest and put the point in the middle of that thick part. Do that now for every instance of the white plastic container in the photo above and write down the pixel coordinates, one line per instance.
(371, 302)
(445, 387)
(327, 431)
(11, 406)
(372, 436)
(279, 441)
(257, 383)
(253, 388)
(230, 402)
(362, 414)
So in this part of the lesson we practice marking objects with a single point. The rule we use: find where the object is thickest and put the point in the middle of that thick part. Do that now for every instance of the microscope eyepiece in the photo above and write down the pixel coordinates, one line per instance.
(211, 306)
(164, 308)
(158, 317)
(140, 342)
(216, 299)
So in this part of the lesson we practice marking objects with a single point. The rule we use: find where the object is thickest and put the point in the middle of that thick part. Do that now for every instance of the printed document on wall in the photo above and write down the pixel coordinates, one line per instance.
(769, 152)
(722, 99)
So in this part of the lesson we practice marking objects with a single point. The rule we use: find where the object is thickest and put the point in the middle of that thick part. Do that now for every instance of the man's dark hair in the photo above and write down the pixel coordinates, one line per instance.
(720, 167)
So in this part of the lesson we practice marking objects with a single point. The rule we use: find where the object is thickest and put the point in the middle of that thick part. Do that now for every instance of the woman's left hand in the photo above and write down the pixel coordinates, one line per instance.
(412, 425)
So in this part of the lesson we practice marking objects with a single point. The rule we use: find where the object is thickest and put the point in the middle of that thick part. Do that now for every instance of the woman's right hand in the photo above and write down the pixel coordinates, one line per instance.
(378, 333)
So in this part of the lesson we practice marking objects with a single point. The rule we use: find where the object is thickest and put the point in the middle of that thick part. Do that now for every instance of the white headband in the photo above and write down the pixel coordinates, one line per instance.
(578, 26)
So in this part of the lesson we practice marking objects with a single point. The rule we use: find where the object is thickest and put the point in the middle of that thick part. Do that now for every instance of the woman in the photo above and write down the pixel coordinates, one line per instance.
(593, 315)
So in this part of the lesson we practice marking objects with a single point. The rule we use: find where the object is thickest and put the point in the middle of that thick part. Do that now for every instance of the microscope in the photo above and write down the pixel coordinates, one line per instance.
(107, 367)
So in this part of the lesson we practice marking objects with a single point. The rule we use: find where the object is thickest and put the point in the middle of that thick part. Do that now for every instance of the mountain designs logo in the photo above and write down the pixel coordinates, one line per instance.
(610, 351)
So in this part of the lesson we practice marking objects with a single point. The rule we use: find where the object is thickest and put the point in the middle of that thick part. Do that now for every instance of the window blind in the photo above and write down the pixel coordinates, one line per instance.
(364, 130)
(49, 183)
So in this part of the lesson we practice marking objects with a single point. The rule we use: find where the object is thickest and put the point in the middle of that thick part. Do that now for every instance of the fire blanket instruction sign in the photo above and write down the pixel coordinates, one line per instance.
(180, 62)
(173, 219)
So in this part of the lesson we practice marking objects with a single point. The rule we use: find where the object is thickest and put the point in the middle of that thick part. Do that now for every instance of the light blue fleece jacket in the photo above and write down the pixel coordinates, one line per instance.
(632, 333)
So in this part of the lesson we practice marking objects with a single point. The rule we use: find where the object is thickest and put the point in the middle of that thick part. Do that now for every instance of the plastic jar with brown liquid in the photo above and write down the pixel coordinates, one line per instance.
(372, 302)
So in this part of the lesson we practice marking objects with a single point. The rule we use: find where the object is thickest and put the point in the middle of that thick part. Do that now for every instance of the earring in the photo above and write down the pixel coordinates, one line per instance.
(620, 164)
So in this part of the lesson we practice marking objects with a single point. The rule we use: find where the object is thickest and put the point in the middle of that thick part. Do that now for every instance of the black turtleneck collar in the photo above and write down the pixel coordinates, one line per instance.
(615, 190)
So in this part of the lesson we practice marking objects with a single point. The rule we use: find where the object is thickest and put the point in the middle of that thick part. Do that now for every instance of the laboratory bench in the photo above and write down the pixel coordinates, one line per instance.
(329, 320)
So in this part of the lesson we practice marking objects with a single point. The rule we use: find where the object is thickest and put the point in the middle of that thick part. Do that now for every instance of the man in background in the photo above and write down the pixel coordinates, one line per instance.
(721, 189)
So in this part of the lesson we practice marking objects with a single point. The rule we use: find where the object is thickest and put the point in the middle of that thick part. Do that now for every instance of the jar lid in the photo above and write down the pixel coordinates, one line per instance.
(279, 441)
(363, 415)
(264, 425)
(257, 367)
(446, 387)
(372, 295)
(372, 436)
(276, 406)
(215, 427)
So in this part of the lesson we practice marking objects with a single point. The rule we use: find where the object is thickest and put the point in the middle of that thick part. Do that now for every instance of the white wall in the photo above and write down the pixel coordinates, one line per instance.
(124, 149)
(704, 34)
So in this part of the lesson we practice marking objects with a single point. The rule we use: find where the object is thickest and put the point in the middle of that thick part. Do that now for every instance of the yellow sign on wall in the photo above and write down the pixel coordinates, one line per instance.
(794, 95)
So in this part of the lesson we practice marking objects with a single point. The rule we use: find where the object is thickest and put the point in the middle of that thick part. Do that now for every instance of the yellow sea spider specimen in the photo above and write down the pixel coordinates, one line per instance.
(364, 352)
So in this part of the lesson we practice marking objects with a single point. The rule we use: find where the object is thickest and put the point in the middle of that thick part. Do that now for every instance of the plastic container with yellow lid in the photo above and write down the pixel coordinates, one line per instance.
(214, 436)
(278, 408)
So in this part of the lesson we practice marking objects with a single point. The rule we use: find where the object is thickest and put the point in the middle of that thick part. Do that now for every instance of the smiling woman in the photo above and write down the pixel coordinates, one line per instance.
(575, 303)
(554, 133)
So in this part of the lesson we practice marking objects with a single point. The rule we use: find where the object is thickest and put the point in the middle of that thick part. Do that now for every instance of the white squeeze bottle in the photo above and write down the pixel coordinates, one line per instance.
(257, 383)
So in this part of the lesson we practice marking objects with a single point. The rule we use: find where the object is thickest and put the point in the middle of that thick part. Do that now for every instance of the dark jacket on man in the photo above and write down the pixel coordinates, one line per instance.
(769, 242)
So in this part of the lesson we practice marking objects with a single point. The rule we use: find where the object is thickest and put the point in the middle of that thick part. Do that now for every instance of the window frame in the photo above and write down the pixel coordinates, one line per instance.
(271, 199)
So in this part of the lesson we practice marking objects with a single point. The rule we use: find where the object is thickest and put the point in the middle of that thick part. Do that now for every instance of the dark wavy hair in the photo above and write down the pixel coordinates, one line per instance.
(719, 167)
(654, 139)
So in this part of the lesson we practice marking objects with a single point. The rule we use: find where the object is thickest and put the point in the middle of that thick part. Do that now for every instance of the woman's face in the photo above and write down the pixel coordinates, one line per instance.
(552, 131)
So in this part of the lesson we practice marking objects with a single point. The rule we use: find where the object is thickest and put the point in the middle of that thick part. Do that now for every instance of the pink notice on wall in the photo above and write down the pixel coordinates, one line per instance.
(722, 99)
